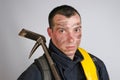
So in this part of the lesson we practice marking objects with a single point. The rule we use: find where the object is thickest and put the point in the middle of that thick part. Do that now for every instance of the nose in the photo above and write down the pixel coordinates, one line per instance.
(70, 37)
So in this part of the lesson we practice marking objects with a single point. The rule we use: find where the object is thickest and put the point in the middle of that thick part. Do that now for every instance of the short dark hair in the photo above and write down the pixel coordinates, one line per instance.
(65, 10)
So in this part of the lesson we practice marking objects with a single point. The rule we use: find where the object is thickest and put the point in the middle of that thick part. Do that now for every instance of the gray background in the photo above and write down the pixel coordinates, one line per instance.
(100, 21)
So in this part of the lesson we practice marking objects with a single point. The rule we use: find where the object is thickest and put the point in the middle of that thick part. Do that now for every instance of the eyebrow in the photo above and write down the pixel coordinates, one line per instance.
(64, 24)
(78, 23)
(62, 27)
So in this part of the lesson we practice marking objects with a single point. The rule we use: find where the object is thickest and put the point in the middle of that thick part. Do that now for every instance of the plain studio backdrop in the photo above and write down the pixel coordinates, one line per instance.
(101, 29)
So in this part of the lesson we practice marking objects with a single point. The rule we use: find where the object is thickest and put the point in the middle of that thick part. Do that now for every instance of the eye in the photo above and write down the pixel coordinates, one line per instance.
(61, 30)
(78, 29)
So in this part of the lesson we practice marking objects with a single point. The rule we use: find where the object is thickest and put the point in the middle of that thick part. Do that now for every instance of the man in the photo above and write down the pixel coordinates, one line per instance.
(65, 31)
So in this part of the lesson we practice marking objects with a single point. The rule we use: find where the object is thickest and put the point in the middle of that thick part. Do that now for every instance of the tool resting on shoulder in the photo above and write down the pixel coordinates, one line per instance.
(40, 40)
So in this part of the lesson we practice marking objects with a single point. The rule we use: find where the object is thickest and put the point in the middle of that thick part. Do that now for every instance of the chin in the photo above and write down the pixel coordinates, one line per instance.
(72, 53)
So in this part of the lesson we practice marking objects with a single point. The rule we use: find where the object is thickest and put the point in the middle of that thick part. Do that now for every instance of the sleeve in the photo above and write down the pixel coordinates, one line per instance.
(101, 68)
(31, 73)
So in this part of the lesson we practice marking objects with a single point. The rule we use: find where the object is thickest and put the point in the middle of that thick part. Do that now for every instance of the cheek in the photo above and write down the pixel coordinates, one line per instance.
(78, 39)
(61, 39)
(78, 36)
(58, 38)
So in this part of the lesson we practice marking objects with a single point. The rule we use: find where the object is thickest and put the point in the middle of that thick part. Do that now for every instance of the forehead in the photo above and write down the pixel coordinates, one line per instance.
(61, 19)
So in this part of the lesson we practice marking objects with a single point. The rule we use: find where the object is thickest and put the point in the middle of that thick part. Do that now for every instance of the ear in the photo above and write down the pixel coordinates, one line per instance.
(49, 31)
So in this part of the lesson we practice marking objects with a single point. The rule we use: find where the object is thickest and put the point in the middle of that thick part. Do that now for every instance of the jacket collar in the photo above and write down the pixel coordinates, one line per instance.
(61, 59)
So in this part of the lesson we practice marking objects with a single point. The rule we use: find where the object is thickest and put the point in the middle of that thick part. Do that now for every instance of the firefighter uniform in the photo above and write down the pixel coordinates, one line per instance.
(82, 67)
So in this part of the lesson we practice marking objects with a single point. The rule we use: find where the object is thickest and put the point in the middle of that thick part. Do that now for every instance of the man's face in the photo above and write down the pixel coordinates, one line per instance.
(66, 33)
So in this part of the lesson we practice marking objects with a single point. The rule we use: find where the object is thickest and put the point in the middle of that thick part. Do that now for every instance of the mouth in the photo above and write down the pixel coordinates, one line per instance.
(70, 47)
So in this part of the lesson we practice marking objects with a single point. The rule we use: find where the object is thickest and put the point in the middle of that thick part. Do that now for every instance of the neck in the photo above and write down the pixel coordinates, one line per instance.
(71, 57)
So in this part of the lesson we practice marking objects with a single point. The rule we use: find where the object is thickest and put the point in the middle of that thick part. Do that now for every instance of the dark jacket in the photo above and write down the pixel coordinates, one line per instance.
(68, 69)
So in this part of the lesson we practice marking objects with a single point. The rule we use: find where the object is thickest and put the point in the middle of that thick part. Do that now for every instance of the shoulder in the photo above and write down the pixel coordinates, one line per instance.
(97, 60)
(99, 63)
(31, 73)
(101, 68)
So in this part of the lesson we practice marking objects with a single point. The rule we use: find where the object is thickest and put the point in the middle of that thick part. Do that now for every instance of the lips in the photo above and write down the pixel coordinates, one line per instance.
(70, 47)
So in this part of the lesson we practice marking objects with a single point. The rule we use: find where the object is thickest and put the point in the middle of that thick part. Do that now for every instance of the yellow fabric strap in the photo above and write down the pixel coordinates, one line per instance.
(88, 66)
